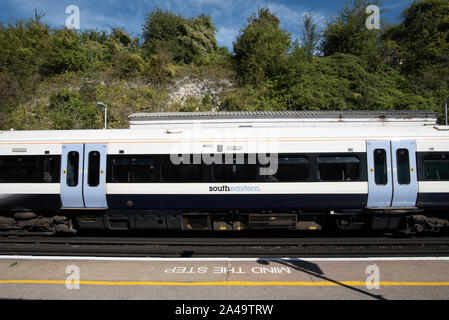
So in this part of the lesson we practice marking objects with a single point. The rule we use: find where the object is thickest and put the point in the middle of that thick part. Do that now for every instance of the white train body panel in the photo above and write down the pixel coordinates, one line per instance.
(206, 195)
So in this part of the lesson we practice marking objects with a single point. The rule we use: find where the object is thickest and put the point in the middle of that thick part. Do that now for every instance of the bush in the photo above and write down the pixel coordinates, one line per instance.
(66, 53)
(185, 39)
(68, 110)
(128, 64)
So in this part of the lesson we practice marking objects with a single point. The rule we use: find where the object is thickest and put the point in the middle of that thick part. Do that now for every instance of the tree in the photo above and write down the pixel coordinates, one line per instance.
(422, 39)
(261, 47)
(419, 47)
(121, 36)
(347, 33)
(184, 38)
(310, 35)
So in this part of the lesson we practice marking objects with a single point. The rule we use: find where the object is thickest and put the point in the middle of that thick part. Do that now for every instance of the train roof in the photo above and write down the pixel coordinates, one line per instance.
(254, 125)
(173, 133)
(286, 118)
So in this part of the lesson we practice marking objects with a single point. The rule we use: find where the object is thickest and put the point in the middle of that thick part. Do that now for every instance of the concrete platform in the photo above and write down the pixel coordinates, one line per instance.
(221, 278)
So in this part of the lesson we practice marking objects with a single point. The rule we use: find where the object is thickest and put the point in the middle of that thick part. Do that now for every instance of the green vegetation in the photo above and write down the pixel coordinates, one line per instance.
(261, 48)
(347, 33)
(52, 78)
(185, 39)
(310, 35)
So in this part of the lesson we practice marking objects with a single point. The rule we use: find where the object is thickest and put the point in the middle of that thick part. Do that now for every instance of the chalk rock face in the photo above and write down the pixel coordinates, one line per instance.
(198, 89)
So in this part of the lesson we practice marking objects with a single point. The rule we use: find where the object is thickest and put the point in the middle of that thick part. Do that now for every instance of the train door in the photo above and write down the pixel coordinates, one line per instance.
(72, 161)
(392, 179)
(380, 179)
(405, 188)
(83, 176)
(94, 180)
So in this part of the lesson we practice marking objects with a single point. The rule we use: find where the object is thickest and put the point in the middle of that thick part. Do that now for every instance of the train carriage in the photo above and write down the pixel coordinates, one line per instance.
(230, 171)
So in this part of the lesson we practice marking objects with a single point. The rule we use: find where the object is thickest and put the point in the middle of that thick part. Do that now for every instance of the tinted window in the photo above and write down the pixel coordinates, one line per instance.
(234, 172)
(380, 167)
(338, 168)
(240, 170)
(133, 169)
(52, 169)
(403, 164)
(290, 168)
(436, 166)
(29, 169)
(181, 172)
(93, 178)
(72, 168)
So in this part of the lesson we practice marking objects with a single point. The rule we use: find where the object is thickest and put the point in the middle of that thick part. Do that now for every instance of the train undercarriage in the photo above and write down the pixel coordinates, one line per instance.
(397, 222)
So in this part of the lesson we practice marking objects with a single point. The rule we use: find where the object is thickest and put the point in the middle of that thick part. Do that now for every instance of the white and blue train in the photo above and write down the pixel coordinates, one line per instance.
(381, 171)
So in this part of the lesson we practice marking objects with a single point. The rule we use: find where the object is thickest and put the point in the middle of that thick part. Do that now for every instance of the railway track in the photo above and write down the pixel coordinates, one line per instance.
(229, 241)
(222, 246)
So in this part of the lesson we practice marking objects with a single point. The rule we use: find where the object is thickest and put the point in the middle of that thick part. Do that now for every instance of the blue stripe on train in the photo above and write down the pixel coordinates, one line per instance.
(433, 200)
(237, 202)
(223, 202)
(30, 201)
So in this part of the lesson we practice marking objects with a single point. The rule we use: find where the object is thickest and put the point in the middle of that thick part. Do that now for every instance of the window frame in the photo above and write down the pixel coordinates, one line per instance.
(308, 162)
(91, 174)
(385, 174)
(41, 163)
(361, 165)
(166, 161)
(421, 164)
(111, 167)
(398, 167)
(76, 171)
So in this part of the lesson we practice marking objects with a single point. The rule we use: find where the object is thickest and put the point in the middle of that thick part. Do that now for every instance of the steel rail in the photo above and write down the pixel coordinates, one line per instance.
(152, 252)
(219, 247)
(214, 241)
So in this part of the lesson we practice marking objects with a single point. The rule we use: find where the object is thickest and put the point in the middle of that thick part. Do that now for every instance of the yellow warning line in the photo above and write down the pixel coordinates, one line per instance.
(227, 283)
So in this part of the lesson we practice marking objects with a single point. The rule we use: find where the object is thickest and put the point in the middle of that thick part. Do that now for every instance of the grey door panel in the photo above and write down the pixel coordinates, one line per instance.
(405, 180)
(83, 176)
(94, 184)
(380, 184)
(72, 160)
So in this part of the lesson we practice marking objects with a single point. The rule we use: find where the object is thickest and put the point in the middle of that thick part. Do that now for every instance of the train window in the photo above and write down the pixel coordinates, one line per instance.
(338, 168)
(72, 168)
(403, 164)
(51, 172)
(290, 168)
(380, 167)
(133, 169)
(29, 169)
(181, 172)
(93, 176)
(19, 169)
(240, 171)
(436, 166)
(234, 172)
